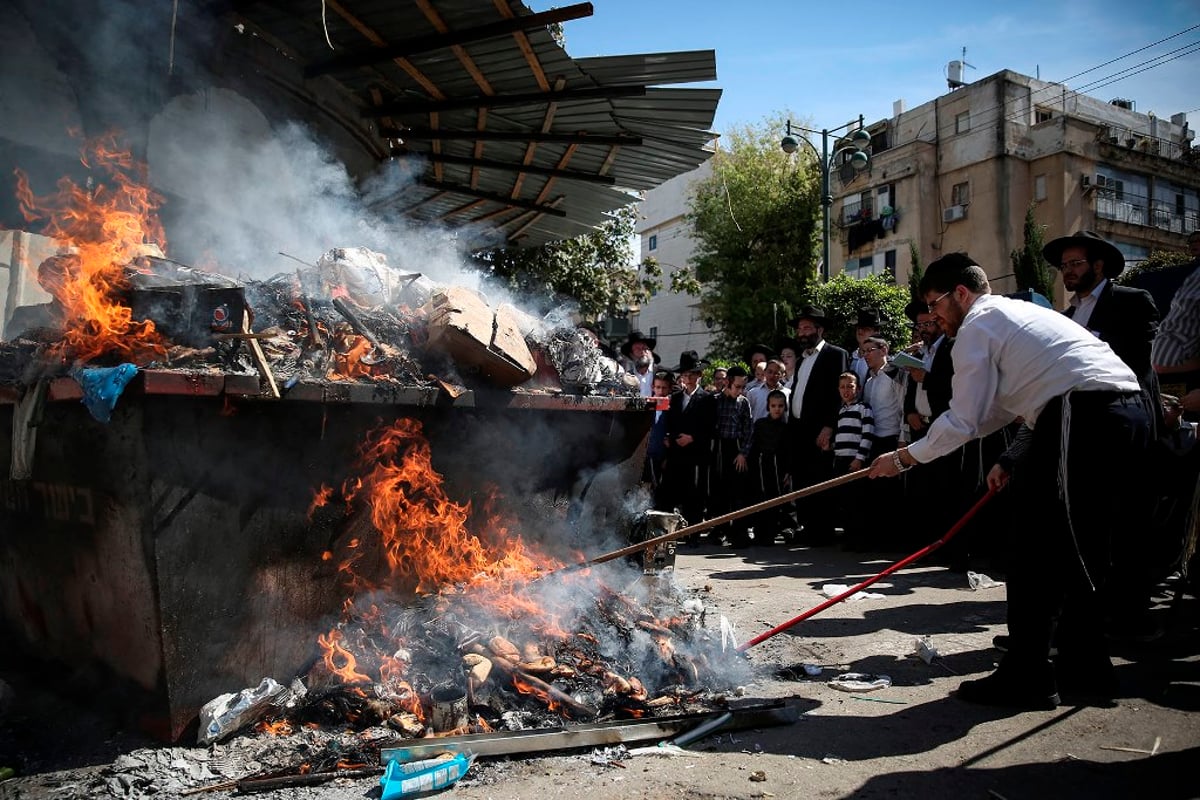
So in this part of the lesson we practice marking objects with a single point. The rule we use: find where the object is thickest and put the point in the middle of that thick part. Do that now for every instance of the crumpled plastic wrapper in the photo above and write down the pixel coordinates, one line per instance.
(834, 589)
(860, 682)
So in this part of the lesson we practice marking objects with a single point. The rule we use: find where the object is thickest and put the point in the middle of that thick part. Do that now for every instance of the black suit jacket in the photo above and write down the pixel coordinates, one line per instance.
(699, 420)
(936, 384)
(821, 399)
(1127, 319)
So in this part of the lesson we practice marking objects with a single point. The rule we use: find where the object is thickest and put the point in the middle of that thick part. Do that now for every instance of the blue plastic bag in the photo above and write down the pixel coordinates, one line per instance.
(102, 386)
(417, 777)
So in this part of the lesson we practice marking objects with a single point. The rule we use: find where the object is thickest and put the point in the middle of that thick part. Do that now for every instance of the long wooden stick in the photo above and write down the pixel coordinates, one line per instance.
(715, 522)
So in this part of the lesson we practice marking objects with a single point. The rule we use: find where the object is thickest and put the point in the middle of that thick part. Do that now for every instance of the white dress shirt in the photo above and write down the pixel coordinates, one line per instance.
(1011, 358)
(806, 358)
(884, 393)
(645, 382)
(1084, 306)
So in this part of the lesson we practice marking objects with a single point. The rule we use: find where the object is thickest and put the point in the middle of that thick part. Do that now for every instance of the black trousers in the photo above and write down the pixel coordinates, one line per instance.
(1062, 559)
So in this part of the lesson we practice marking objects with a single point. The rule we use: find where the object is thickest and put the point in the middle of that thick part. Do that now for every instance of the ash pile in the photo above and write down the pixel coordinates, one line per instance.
(348, 318)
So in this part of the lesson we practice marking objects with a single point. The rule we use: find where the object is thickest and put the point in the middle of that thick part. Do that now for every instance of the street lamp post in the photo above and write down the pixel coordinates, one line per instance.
(860, 159)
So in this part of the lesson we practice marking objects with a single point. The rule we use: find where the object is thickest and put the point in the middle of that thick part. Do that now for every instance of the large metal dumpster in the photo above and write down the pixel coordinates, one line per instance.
(172, 545)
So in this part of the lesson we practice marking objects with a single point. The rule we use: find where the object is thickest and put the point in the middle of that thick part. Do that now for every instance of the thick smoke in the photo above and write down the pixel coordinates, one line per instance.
(249, 192)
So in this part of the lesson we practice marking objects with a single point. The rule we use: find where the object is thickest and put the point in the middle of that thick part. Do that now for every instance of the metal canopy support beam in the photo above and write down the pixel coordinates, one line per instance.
(520, 99)
(447, 38)
(532, 169)
(499, 198)
(377, 40)
(427, 134)
(526, 48)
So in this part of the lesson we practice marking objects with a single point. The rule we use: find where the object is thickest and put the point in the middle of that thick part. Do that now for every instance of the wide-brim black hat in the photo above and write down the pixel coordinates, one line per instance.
(758, 348)
(1097, 248)
(788, 343)
(689, 361)
(914, 308)
(634, 338)
(868, 318)
(815, 313)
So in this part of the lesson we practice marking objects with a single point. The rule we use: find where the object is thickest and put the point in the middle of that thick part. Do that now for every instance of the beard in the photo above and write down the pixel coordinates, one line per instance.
(808, 341)
(1085, 282)
(644, 360)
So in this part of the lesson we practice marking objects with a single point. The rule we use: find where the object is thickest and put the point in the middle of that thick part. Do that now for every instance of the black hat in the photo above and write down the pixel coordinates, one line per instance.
(1097, 248)
(868, 318)
(815, 313)
(758, 348)
(914, 308)
(636, 336)
(689, 361)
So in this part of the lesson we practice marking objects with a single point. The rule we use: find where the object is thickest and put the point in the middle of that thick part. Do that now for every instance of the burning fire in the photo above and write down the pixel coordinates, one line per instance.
(423, 535)
(104, 227)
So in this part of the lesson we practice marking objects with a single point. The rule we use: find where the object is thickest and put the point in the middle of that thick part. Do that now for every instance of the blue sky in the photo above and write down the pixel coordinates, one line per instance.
(826, 63)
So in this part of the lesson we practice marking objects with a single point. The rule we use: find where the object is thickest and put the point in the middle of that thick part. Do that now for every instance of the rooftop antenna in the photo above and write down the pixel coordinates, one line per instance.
(954, 71)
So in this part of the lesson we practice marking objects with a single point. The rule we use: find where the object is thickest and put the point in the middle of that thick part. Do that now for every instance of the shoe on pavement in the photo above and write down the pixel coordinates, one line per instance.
(1006, 689)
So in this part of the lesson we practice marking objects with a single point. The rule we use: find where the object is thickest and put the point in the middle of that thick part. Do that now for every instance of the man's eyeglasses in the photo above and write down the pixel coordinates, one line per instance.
(918, 326)
(932, 306)
(1074, 262)
(862, 351)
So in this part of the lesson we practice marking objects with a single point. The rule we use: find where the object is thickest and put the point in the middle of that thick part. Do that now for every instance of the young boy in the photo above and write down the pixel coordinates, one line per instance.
(851, 451)
(855, 428)
(770, 470)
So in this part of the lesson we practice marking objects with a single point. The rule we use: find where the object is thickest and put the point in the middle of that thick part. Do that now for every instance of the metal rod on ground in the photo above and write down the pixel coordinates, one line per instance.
(924, 551)
(718, 521)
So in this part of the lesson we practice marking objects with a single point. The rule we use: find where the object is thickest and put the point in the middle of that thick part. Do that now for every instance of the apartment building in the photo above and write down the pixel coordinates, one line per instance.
(665, 235)
(960, 171)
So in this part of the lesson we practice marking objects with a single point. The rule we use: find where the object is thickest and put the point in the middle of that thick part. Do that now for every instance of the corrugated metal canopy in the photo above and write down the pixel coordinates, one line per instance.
(517, 141)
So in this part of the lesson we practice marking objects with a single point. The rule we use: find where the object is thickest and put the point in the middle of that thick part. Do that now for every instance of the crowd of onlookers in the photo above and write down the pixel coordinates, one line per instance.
(807, 410)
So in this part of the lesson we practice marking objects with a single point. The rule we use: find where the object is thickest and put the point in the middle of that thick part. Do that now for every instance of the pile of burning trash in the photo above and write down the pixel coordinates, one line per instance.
(454, 624)
(349, 316)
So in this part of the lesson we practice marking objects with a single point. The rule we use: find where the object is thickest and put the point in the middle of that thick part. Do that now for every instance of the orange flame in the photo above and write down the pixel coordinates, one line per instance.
(105, 227)
(347, 669)
(424, 534)
(278, 728)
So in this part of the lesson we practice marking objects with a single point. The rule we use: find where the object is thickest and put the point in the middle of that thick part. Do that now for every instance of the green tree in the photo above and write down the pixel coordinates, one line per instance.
(915, 272)
(843, 296)
(755, 223)
(1158, 259)
(597, 270)
(1029, 267)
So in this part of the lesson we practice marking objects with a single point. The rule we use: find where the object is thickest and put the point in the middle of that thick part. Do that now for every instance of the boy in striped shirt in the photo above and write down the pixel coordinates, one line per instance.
(852, 443)
(855, 428)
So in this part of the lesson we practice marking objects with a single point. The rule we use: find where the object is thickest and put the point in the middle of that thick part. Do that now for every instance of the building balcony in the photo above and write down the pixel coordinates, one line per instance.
(1136, 210)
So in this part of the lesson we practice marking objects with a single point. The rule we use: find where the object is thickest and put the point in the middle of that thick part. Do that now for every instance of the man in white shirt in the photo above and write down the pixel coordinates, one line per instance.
(1090, 426)
(640, 352)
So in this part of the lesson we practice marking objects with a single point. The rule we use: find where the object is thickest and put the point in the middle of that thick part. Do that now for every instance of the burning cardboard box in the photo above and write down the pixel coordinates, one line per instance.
(480, 338)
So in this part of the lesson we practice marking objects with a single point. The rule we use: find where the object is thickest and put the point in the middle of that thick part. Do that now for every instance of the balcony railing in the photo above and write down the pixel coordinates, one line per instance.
(1137, 210)
(854, 213)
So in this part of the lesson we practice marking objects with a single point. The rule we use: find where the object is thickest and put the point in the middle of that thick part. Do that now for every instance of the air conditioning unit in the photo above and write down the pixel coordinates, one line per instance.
(1085, 182)
(1101, 181)
(954, 213)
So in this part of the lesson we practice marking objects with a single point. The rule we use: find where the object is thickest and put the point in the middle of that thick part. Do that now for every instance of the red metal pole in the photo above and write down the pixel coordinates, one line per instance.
(901, 564)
